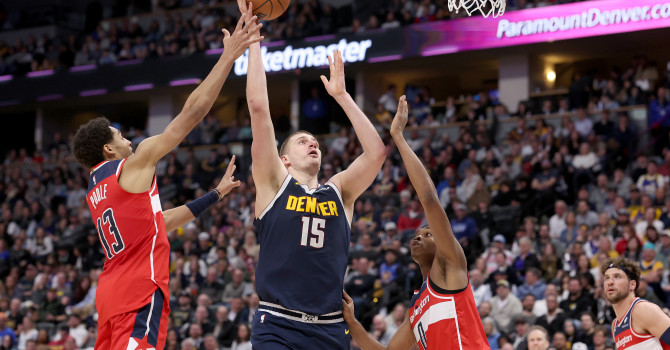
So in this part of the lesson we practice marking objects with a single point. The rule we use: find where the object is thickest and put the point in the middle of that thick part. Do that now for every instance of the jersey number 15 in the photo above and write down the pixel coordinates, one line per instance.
(116, 247)
(312, 227)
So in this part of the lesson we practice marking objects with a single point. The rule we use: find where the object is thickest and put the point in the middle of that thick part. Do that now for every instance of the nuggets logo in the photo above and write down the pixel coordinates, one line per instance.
(263, 319)
(307, 204)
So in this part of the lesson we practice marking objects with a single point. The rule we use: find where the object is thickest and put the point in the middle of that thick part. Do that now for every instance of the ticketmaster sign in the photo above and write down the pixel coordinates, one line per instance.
(294, 58)
(543, 24)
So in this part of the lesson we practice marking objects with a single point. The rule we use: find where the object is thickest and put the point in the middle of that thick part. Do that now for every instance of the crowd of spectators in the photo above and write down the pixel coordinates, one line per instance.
(536, 210)
(105, 40)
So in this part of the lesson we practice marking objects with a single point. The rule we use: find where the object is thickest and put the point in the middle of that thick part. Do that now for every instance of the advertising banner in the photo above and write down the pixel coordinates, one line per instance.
(537, 25)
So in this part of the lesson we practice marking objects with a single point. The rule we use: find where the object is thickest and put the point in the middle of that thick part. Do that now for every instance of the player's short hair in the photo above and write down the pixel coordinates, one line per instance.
(629, 267)
(89, 141)
(541, 329)
(284, 146)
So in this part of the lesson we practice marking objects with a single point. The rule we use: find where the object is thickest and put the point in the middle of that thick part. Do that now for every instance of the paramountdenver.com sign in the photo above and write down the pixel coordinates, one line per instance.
(543, 24)
(586, 19)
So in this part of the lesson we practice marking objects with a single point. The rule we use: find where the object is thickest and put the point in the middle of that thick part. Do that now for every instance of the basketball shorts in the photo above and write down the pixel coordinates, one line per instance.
(278, 328)
(142, 329)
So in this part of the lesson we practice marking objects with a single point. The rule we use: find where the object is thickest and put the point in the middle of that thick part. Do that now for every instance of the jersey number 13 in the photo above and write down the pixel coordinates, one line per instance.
(107, 219)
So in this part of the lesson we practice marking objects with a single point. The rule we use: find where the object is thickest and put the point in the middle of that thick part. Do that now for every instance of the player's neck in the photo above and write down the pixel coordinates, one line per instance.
(309, 180)
(622, 307)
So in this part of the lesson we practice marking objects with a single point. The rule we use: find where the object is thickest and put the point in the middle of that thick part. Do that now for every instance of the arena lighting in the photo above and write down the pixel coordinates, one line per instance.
(138, 87)
(93, 92)
(384, 58)
(440, 51)
(214, 51)
(51, 97)
(551, 76)
(40, 73)
(320, 37)
(6, 77)
(128, 62)
(185, 82)
(83, 68)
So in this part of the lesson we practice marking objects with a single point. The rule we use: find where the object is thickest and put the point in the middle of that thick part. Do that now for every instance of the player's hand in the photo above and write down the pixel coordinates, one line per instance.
(347, 307)
(244, 6)
(400, 120)
(228, 181)
(236, 44)
(335, 86)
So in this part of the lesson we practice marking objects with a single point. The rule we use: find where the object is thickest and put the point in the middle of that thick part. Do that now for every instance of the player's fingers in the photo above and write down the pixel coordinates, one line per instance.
(237, 183)
(330, 63)
(231, 165)
(250, 11)
(255, 27)
(226, 34)
(255, 40)
(240, 22)
(324, 80)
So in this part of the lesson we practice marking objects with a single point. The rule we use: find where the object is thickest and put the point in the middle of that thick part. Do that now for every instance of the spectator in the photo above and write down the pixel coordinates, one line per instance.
(504, 305)
(577, 301)
(224, 330)
(389, 99)
(532, 285)
(242, 341)
(237, 288)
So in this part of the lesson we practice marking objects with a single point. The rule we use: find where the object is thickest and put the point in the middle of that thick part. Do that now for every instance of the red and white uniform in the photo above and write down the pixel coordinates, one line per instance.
(132, 233)
(443, 319)
(626, 338)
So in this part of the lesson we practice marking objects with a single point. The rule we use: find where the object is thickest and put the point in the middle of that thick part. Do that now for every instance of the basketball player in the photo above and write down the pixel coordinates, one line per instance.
(132, 298)
(639, 324)
(304, 227)
(442, 314)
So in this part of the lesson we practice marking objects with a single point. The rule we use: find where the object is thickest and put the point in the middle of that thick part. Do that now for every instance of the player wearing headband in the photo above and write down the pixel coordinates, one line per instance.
(639, 324)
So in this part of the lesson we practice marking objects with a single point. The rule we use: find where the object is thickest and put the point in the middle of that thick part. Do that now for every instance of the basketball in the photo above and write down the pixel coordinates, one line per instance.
(267, 10)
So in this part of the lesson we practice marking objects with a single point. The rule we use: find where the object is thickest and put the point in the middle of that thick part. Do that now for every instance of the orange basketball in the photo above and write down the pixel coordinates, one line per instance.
(269, 9)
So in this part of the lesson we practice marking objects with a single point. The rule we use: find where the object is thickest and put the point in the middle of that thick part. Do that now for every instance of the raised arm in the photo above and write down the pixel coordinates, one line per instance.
(140, 167)
(181, 215)
(449, 251)
(357, 178)
(268, 170)
(403, 339)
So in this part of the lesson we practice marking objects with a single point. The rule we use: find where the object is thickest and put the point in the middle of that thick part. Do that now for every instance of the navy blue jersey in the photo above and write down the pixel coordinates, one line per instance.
(304, 237)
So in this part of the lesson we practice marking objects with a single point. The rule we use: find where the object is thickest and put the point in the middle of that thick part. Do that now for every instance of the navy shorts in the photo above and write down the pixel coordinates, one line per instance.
(273, 332)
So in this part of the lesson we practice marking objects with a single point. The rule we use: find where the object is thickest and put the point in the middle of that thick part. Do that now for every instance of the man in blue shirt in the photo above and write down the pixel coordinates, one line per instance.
(532, 285)
(464, 227)
(4, 329)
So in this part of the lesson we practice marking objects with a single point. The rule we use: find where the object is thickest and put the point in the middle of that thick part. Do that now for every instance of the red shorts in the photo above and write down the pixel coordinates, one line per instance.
(142, 329)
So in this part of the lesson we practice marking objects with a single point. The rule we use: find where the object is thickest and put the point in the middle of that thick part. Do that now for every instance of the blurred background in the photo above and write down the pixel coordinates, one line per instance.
(545, 131)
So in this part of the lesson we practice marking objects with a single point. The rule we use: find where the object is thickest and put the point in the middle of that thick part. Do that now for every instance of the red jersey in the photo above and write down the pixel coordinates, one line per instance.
(443, 319)
(131, 230)
(626, 338)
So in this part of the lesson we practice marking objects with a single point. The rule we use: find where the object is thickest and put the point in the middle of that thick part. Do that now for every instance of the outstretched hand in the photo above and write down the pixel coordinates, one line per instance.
(400, 120)
(237, 43)
(228, 181)
(335, 86)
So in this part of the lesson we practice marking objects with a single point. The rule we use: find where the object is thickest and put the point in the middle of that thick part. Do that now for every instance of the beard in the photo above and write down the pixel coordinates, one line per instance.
(617, 297)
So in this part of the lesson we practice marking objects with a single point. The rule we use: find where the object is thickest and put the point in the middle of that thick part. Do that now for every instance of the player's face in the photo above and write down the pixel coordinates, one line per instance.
(423, 245)
(304, 152)
(617, 285)
(537, 341)
(121, 145)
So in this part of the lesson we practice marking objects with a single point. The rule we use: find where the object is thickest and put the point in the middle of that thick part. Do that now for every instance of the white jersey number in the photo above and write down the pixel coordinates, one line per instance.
(312, 232)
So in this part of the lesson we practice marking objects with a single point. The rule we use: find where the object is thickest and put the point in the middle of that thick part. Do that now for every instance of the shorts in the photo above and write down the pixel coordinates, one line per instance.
(145, 328)
(274, 331)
